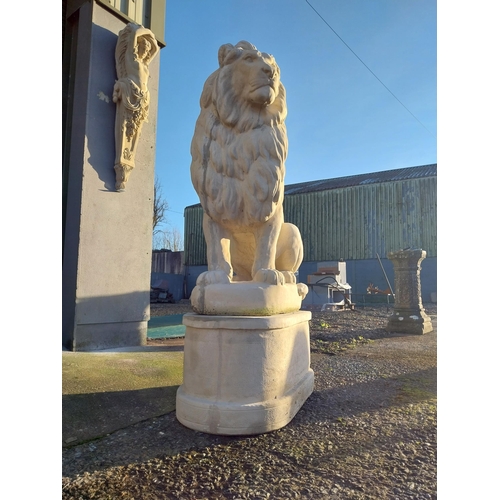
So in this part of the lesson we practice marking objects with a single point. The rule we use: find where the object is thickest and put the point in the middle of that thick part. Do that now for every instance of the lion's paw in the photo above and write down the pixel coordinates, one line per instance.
(270, 276)
(213, 277)
(302, 290)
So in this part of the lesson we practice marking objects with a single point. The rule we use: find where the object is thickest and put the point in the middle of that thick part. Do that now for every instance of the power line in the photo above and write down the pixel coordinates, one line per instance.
(180, 213)
(361, 61)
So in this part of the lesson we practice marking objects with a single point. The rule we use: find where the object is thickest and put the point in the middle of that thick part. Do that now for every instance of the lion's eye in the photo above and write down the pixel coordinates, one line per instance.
(248, 58)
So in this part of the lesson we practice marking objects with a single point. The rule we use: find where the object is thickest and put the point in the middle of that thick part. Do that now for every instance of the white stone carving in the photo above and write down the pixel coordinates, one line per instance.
(246, 352)
(238, 152)
(135, 49)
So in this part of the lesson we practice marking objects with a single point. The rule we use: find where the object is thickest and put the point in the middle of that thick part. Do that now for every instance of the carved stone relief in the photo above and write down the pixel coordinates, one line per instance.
(135, 49)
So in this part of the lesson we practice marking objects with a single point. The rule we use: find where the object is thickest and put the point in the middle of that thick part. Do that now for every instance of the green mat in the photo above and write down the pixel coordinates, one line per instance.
(164, 327)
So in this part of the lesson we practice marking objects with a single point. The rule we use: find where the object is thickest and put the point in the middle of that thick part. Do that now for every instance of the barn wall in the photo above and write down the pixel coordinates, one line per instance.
(359, 222)
(351, 223)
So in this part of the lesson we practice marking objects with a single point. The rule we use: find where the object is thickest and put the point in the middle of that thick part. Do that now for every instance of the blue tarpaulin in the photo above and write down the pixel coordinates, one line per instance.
(161, 327)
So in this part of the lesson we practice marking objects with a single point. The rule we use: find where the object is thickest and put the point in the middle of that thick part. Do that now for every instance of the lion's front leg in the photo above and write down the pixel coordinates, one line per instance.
(266, 240)
(218, 254)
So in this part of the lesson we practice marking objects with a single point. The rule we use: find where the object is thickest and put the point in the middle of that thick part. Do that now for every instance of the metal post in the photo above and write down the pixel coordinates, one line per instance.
(386, 278)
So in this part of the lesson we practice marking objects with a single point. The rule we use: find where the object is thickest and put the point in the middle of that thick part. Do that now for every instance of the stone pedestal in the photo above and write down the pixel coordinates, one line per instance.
(244, 375)
(409, 315)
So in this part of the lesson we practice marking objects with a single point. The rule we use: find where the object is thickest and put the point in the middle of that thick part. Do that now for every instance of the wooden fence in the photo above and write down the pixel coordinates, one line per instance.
(164, 261)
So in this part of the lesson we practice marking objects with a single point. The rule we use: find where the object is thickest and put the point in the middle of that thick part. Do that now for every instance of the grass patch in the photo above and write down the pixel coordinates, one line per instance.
(325, 346)
(84, 373)
(104, 392)
(417, 387)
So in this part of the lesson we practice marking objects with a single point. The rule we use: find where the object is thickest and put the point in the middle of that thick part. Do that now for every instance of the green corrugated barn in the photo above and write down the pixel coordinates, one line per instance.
(354, 219)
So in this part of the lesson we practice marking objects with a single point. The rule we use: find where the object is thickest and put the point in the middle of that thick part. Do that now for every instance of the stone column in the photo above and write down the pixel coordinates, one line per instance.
(107, 237)
(409, 315)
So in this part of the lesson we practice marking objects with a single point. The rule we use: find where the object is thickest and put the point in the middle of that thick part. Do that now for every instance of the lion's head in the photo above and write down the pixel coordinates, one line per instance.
(240, 143)
(247, 82)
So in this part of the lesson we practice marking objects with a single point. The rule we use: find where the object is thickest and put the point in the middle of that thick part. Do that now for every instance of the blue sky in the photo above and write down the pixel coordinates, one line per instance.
(341, 119)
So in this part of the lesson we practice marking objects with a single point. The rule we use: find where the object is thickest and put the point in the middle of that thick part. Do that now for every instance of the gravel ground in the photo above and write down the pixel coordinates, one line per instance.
(368, 431)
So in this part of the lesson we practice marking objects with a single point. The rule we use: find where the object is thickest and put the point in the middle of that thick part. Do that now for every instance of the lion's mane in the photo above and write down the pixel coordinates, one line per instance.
(238, 149)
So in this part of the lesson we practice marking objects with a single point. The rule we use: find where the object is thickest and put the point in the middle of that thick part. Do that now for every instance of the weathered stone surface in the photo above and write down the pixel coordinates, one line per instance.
(409, 314)
(244, 375)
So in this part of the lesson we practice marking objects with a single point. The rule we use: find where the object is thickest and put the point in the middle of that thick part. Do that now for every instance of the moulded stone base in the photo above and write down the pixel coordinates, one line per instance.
(247, 298)
(244, 375)
(236, 418)
(409, 321)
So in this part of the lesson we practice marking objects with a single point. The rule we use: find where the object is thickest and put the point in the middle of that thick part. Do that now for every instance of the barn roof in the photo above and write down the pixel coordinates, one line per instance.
(398, 174)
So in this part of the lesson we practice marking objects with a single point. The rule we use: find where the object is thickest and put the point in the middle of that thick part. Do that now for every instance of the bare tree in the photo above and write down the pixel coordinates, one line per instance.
(164, 238)
(160, 207)
(171, 240)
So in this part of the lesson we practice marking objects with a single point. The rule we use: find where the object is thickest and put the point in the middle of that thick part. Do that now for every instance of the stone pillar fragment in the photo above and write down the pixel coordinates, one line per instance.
(409, 315)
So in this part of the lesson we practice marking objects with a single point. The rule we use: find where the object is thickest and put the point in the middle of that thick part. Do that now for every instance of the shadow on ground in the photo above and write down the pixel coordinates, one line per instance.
(106, 391)
(166, 436)
(90, 416)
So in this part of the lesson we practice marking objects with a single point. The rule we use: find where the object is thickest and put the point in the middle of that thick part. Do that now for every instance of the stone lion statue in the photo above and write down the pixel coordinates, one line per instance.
(238, 153)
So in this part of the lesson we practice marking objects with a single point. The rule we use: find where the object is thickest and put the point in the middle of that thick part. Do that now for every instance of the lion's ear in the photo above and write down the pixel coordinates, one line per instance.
(228, 53)
(223, 51)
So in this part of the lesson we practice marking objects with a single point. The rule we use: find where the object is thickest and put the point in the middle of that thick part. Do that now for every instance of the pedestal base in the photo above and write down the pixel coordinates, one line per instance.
(244, 375)
(409, 321)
